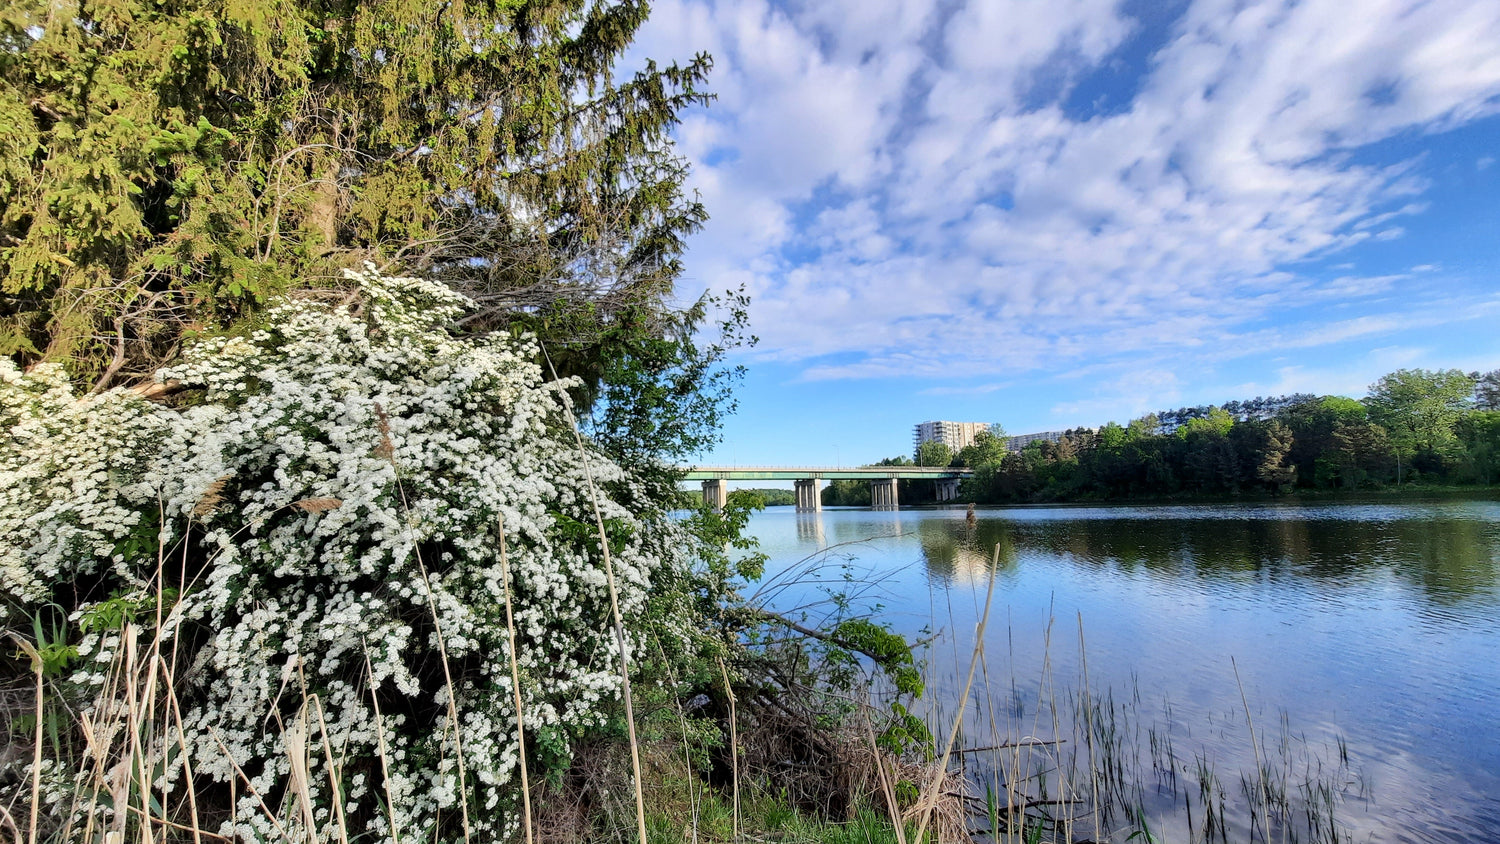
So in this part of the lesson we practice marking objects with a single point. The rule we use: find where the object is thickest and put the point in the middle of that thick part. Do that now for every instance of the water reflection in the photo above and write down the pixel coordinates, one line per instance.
(810, 529)
(1449, 559)
(955, 552)
(1378, 623)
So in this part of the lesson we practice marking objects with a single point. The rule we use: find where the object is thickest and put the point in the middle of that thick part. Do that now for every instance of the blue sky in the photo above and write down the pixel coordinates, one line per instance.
(1051, 213)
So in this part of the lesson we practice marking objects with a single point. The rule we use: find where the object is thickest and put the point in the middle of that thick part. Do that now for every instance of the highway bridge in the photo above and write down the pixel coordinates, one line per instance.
(809, 481)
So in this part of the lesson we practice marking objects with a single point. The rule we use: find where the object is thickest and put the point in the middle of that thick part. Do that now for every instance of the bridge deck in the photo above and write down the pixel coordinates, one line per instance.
(827, 473)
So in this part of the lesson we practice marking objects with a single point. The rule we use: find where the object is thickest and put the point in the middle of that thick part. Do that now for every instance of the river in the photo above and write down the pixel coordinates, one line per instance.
(1365, 639)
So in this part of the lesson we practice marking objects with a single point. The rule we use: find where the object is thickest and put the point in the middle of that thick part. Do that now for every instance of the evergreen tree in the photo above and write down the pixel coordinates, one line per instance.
(1272, 466)
(1313, 424)
(1359, 453)
(1486, 390)
(169, 166)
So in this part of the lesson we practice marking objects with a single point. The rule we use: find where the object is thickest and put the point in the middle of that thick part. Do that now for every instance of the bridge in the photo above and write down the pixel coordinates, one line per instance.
(809, 480)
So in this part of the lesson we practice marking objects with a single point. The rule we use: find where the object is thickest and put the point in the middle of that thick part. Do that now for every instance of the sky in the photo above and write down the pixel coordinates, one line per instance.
(1058, 213)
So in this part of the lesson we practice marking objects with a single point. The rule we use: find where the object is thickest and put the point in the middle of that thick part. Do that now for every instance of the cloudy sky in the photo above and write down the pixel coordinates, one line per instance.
(1050, 213)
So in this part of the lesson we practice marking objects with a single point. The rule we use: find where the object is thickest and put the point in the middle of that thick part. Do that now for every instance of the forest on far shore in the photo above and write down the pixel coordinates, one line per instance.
(1432, 428)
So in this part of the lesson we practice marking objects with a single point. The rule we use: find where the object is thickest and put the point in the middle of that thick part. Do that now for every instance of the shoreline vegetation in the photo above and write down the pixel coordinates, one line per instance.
(326, 587)
(1409, 492)
(342, 376)
(1417, 430)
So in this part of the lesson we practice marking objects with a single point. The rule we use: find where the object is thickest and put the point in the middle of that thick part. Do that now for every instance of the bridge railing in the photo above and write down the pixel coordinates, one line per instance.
(770, 472)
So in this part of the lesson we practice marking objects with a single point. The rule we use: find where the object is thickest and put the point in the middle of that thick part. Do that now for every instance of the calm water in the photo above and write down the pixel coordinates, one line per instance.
(1377, 623)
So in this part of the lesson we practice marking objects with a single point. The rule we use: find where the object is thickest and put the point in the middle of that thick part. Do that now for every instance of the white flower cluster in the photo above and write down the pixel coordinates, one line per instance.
(340, 477)
(72, 487)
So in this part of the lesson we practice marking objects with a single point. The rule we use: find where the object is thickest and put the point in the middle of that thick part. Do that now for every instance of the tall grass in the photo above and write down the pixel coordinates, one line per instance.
(1079, 764)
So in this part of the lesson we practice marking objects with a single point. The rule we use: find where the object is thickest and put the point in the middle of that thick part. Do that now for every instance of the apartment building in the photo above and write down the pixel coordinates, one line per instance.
(1019, 443)
(955, 435)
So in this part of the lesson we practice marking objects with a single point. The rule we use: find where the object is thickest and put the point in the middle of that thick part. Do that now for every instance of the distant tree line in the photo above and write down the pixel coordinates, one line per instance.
(1248, 410)
(1415, 426)
(775, 497)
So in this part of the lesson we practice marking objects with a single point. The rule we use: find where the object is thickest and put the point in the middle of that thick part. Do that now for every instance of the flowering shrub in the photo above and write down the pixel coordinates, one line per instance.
(325, 494)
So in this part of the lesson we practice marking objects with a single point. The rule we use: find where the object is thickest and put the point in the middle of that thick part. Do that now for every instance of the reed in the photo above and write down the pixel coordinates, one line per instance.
(515, 684)
(1086, 765)
(734, 747)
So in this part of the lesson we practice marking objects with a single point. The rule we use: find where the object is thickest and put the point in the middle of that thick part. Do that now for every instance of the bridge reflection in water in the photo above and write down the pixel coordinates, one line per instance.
(809, 481)
(810, 529)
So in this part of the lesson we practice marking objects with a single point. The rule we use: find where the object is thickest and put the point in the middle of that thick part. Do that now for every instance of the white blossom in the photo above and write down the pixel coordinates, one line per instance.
(424, 440)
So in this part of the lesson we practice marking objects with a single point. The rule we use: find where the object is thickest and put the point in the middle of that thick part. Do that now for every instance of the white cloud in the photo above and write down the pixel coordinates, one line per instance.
(970, 390)
(905, 192)
(1129, 395)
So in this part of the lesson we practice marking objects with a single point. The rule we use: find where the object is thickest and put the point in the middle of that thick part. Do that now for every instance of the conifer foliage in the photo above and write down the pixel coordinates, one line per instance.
(172, 165)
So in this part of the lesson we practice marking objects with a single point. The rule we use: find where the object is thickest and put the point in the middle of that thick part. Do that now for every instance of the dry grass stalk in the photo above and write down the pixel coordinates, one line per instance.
(1260, 771)
(453, 719)
(140, 772)
(614, 604)
(893, 808)
(437, 625)
(691, 834)
(294, 740)
(239, 772)
(734, 747)
(211, 498)
(187, 766)
(7, 820)
(515, 684)
(385, 767)
(318, 505)
(929, 799)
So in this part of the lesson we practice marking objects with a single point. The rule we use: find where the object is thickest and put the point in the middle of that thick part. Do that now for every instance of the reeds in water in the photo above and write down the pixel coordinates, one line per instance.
(1074, 763)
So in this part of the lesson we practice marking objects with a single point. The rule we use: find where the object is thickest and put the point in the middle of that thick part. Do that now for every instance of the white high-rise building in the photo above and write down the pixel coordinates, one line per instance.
(955, 435)
(1019, 443)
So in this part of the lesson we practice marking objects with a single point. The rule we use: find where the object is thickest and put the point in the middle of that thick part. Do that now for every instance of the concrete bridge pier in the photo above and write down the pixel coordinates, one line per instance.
(947, 489)
(809, 495)
(883, 494)
(716, 493)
